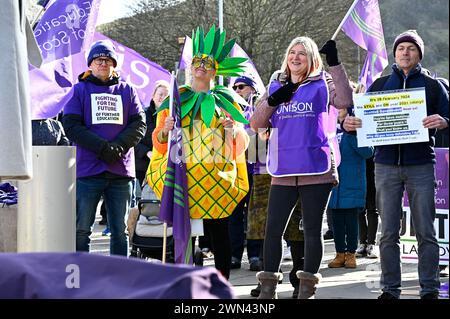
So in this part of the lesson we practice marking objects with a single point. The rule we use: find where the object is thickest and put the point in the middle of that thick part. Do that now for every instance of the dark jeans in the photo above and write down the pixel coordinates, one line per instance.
(117, 195)
(419, 182)
(345, 229)
(282, 200)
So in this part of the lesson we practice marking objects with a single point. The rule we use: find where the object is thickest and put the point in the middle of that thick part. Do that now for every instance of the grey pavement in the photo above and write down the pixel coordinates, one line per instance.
(338, 283)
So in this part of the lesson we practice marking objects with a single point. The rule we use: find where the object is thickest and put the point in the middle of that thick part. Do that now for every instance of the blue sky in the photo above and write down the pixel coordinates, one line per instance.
(111, 10)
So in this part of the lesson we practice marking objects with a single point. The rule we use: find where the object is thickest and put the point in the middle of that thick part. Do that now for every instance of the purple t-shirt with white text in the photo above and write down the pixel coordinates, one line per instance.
(106, 111)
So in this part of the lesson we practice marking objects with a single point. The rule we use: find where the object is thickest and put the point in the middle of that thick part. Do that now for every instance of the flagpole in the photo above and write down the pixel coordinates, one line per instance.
(172, 84)
(343, 20)
(221, 30)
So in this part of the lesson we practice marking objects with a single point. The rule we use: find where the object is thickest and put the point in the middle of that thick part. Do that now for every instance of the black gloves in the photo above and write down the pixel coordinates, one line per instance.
(110, 153)
(283, 94)
(330, 51)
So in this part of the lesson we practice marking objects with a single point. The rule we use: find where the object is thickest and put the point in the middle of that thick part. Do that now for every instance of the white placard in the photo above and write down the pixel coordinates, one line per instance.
(391, 117)
(106, 109)
(197, 227)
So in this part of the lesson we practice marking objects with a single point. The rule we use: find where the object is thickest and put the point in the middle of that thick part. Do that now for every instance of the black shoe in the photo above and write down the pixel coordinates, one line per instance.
(256, 291)
(328, 235)
(235, 264)
(430, 295)
(387, 295)
(103, 221)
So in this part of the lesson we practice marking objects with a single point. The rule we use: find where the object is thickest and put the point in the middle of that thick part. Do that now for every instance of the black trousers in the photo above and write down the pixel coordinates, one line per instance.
(282, 201)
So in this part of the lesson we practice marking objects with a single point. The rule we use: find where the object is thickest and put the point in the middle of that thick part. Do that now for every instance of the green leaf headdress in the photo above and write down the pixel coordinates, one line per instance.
(220, 100)
(214, 45)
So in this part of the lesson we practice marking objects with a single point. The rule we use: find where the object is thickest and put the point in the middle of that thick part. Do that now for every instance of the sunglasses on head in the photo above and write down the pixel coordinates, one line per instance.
(240, 87)
(207, 62)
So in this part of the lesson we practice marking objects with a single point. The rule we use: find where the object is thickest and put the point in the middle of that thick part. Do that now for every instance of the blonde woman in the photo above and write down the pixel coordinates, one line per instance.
(302, 154)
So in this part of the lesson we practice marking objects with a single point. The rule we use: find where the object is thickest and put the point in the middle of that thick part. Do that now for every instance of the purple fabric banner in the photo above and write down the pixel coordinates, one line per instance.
(82, 275)
(365, 28)
(51, 83)
(441, 192)
(137, 70)
(66, 28)
(250, 69)
(186, 54)
(175, 200)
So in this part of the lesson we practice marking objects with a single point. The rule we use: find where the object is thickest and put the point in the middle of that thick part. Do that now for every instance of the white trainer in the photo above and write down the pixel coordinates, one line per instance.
(371, 251)
(361, 251)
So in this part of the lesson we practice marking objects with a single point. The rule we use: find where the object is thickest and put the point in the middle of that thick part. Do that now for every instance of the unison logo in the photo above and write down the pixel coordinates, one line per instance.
(296, 107)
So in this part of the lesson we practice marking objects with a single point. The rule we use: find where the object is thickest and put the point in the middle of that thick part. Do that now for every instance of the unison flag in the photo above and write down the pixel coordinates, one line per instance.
(175, 201)
(363, 25)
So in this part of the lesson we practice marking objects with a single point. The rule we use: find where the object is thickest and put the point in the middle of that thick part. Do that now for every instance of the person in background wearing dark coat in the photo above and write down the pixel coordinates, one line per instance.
(408, 166)
(143, 150)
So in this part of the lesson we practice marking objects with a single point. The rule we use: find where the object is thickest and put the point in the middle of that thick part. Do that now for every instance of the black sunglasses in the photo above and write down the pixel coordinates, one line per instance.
(240, 86)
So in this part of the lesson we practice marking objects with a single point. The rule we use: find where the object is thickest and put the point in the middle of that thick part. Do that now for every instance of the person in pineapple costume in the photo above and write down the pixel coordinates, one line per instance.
(214, 141)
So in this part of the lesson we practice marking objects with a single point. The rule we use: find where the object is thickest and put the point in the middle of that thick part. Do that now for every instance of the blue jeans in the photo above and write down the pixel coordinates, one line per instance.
(345, 229)
(419, 181)
(117, 195)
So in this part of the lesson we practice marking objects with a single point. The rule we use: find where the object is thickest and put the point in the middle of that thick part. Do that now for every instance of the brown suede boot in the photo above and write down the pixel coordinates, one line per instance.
(350, 260)
(269, 281)
(308, 282)
(338, 261)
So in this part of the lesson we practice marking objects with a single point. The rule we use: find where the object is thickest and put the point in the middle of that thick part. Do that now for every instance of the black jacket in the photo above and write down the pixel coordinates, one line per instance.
(146, 144)
(437, 103)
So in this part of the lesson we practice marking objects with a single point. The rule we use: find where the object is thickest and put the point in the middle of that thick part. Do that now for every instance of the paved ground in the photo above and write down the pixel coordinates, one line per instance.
(341, 283)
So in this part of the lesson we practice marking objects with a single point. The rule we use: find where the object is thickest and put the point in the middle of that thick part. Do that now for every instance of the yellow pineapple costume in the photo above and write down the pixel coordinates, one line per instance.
(215, 157)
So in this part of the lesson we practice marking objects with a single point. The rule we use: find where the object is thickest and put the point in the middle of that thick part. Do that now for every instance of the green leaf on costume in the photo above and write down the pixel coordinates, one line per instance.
(164, 105)
(207, 109)
(186, 95)
(201, 43)
(221, 42)
(223, 91)
(232, 62)
(209, 40)
(230, 108)
(216, 43)
(185, 108)
(199, 102)
(226, 49)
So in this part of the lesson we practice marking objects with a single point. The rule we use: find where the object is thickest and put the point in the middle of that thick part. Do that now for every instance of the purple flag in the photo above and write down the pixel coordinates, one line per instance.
(363, 25)
(66, 28)
(52, 82)
(186, 54)
(250, 69)
(175, 200)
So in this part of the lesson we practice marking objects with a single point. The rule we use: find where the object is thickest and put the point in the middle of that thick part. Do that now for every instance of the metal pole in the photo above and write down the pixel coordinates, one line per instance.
(221, 29)
(343, 20)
